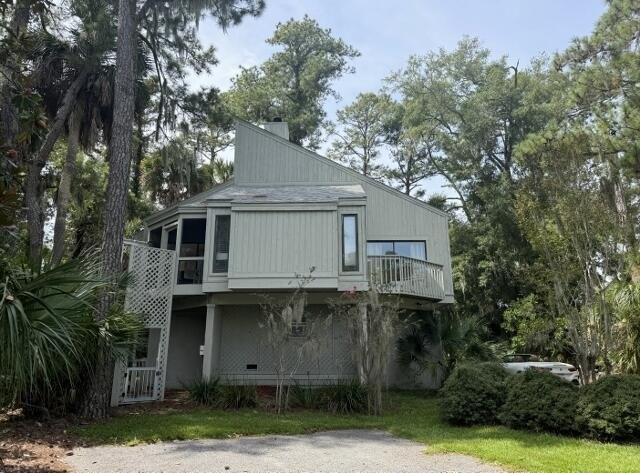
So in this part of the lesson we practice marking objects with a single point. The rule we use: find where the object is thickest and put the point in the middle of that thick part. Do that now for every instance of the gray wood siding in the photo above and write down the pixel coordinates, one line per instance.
(394, 218)
(265, 159)
(262, 158)
(282, 243)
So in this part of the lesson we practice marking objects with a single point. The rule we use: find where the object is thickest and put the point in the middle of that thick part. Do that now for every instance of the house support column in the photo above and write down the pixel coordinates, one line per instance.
(212, 339)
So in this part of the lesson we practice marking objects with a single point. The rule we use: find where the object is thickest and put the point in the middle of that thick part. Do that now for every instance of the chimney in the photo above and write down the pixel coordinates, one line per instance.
(278, 127)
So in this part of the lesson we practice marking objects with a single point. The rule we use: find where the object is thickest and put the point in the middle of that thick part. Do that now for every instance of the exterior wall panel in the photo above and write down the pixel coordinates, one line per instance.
(244, 341)
(184, 362)
(396, 218)
(281, 244)
(266, 160)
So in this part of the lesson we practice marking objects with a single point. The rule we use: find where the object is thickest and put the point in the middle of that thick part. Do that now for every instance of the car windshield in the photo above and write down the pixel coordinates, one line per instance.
(521, 358)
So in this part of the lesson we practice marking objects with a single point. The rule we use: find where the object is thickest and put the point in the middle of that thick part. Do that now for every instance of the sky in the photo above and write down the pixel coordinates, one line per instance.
(387, 33)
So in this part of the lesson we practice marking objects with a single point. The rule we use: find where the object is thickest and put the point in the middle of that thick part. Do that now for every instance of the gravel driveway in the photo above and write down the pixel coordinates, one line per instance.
(338, 451)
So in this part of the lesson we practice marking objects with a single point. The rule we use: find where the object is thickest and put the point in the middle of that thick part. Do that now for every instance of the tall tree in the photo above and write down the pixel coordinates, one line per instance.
(295, 82)
(361, 132)
(97, 397)
(189, 162)
(473, 112)
(412, 148)
(95, 403)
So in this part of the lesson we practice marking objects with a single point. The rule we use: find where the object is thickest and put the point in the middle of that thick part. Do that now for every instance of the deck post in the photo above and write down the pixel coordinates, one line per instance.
(211, 354)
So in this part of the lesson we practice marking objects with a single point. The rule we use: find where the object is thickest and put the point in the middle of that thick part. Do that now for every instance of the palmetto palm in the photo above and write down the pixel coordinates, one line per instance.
(48, 336)
(439, 341)
(625, 299)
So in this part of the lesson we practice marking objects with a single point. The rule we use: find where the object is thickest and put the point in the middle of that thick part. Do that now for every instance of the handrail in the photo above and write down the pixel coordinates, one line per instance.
(395, 274)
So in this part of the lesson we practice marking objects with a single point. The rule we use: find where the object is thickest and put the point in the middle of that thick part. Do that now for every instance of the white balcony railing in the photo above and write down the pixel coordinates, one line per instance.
(393, 274)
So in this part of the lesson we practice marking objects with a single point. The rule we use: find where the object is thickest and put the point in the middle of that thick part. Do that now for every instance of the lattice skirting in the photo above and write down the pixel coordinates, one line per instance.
(149, 294)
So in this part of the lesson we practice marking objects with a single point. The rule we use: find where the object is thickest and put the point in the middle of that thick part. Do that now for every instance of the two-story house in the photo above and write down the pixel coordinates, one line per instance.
(200, 278)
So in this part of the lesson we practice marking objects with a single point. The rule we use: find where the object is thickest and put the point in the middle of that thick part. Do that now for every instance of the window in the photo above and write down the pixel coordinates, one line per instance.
(171, 239)
(412, 249)
(349, 243)
(192, 240)
(155, 237)
(191, 257)
(190, 271)
(221, 244)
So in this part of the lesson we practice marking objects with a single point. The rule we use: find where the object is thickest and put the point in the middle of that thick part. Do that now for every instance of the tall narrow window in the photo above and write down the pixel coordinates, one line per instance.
(349, 243)
(171, 239)
(221, 244)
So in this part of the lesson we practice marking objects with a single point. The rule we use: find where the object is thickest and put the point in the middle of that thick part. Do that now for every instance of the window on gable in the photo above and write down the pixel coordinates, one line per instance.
(221, 244)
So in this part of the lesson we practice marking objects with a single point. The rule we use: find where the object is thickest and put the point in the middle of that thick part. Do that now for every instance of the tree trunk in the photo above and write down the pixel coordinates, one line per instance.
(33, 193)
(34, 202)
(95, 404)
(64, 192)
(137, 162)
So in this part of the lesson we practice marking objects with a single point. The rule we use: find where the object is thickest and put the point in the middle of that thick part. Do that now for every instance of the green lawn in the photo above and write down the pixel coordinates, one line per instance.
(412, 418)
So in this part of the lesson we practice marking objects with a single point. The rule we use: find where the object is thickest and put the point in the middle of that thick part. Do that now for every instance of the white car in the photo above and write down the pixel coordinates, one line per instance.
(520, 362)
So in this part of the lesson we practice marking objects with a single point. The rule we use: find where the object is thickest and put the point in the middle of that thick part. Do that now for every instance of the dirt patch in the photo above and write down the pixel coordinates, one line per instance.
(30, 446)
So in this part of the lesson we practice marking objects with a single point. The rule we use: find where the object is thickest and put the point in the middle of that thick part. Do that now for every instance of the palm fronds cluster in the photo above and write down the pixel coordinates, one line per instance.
(48, 334)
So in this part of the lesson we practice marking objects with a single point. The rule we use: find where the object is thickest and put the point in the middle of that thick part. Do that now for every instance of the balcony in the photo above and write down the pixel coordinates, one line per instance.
(403, 275)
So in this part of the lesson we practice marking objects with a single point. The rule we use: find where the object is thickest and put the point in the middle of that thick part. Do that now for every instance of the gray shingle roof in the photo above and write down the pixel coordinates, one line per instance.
(299, 193)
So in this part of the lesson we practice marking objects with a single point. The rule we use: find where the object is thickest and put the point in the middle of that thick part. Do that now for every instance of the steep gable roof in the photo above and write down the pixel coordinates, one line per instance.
(265, 158)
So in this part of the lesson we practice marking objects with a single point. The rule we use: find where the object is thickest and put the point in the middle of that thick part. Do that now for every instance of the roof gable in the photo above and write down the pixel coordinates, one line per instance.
(263, 158)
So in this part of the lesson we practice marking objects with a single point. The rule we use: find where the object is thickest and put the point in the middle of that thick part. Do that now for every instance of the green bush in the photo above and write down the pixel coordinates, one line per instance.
(205, 392)
(539, 401)
(227, 396)
(345, 397)
(307, 397)
(237, 396)
(609, 409)
(473, 394)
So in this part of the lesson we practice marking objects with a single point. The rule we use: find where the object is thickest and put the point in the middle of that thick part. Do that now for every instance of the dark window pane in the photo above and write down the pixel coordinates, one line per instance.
(221, 244)
(190, 271)
(155, 237)
(193, 236)
(349, 243)
(171, 239)
(413, 249)
(379, 248)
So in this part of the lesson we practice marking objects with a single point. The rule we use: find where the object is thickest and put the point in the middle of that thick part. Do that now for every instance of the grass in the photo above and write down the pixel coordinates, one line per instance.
(411, 417)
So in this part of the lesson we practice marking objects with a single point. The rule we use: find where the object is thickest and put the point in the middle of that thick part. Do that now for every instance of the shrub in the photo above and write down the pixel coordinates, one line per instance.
(307, 397)
(473, 394)
(540, 401)
(609, 409)
(237, 396)
(205, 392)
(345, 397)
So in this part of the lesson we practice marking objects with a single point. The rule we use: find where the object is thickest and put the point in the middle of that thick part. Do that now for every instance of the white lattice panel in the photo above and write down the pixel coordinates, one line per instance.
(149, 294)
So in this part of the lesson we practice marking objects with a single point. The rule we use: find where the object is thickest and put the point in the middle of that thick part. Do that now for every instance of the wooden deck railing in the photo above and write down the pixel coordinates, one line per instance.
(393, 274)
